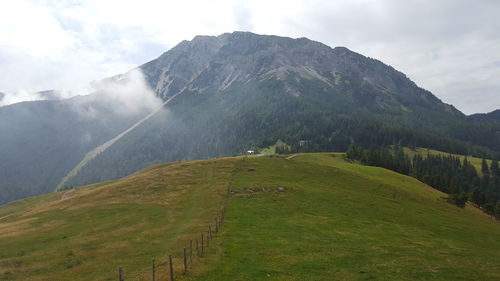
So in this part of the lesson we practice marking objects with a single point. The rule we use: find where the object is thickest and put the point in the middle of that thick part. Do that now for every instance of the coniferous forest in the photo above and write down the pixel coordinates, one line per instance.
(447, 173)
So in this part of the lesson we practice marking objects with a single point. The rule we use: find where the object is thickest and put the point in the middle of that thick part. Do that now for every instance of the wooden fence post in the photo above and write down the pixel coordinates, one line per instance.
(120, 273)
(185, 262)
(197, 249)
(210, 232)
(154, 270)
(208, 240)
(216, 225)
(171, 268)
(202, 241)
(191, 252)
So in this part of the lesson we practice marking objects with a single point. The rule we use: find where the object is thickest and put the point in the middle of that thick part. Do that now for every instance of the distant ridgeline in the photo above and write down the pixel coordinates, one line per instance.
(336, 133)
(446, 173)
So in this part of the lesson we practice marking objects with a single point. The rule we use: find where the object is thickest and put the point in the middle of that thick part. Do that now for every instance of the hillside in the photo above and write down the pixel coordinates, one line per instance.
(97, 228)
(494, 115)
(309, 217)
(476, 162)
(233, 92)
(41, 141)
(241, 90)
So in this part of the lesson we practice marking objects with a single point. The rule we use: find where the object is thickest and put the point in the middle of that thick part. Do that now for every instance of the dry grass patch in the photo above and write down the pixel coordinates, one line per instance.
(126, 222)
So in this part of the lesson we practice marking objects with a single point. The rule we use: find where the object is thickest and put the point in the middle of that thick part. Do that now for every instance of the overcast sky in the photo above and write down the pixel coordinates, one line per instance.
(450, 47)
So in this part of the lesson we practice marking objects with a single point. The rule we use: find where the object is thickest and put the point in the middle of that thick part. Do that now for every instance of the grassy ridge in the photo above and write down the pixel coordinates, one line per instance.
(127, 222)
(476, 162)
(335, 220)
(342, 221)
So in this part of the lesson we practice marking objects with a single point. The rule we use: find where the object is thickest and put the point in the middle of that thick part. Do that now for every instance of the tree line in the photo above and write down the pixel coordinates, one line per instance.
(447, 173)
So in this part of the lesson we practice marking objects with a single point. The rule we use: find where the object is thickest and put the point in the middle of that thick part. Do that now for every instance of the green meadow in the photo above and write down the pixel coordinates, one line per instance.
(301, 217)
(476, 162)
(101, 227)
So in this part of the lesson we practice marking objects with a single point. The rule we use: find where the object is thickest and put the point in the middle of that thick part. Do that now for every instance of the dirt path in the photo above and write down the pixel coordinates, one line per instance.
(68, 194)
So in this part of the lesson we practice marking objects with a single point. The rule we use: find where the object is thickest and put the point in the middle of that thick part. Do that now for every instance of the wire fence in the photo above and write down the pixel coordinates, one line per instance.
(175, 264)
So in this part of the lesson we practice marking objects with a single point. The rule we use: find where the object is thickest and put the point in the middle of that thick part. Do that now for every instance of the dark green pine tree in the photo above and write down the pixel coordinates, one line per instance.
(485, 183)
(494, 170)
(497, 210)
(476, 197)
(484, 167)
(353, 152)
(489, 208)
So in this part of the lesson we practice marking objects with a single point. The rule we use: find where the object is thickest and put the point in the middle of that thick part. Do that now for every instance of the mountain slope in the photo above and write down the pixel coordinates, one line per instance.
(242, 57)
(245, 90)
(331, 219)
(236, 91)
(41, 141)
(494, 115)
(346, 222)
(482, 129)
(87, 233)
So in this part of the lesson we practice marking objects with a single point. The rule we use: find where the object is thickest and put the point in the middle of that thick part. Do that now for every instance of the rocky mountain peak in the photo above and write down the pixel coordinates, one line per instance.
(216, 62)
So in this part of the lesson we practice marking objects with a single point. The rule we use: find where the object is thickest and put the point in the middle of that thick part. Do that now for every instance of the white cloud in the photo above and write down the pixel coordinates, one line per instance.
(20, 96)
(127, 94)
(446, 46)
(123, 95)
(31, 29)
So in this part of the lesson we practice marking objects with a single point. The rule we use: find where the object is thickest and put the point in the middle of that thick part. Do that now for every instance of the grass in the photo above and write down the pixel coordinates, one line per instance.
(127, 222)
(476, 162)
(340, 221)
(334, 220)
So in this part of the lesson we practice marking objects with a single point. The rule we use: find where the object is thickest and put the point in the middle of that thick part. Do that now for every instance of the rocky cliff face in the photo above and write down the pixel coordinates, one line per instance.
(209, 62)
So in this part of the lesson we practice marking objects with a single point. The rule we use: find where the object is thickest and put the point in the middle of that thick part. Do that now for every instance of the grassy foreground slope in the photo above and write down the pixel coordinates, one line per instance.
(342, 221)
(334, 220)
(100, 227)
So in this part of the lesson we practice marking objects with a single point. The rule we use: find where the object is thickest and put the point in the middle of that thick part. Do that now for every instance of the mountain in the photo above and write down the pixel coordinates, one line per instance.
(244, 90)
(238, 91)
(49, 95)
(310, 217)
(210, 63)
(482, 129)
(41, 141)
(6, 99)
(492, 116)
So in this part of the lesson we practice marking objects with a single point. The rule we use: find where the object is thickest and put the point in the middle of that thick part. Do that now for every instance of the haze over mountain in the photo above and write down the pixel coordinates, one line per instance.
(41, 140)
(6, 99)
(232, 92)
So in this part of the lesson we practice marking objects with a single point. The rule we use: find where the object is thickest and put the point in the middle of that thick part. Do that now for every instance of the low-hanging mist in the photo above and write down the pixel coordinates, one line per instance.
(45, 139)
